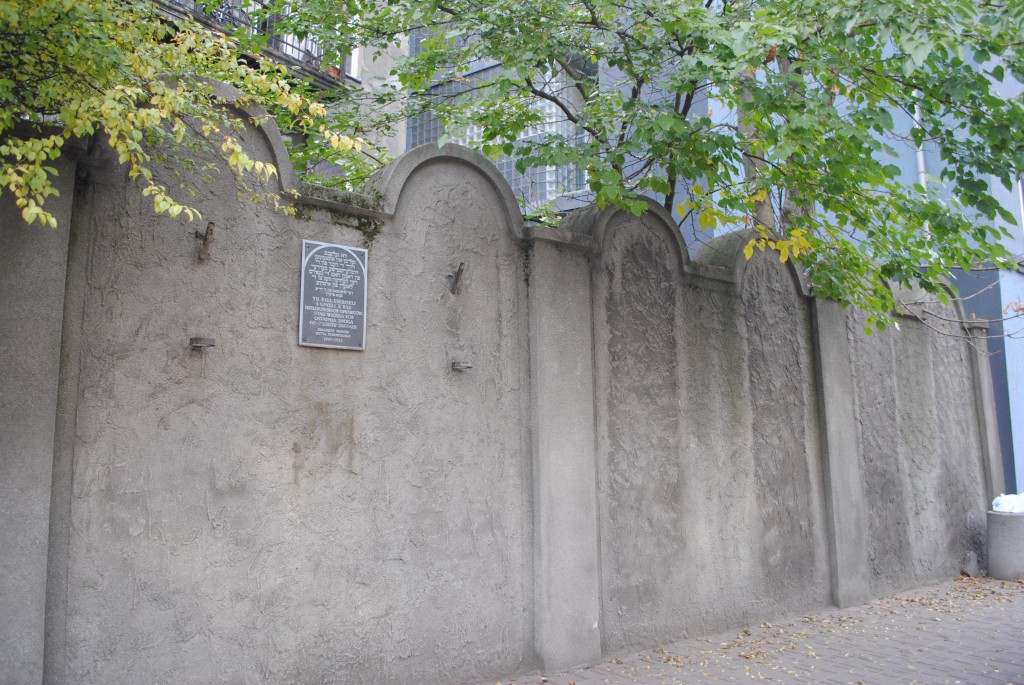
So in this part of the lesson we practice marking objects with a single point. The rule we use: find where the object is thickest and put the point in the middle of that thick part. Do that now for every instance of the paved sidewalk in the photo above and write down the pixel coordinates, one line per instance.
(968, 631)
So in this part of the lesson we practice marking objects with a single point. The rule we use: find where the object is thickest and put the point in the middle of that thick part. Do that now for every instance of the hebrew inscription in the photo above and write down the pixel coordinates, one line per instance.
(332, 311)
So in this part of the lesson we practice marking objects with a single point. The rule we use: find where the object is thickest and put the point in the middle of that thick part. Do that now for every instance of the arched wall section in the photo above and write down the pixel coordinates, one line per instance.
(643, 488)
(462, 514)
(787, 489)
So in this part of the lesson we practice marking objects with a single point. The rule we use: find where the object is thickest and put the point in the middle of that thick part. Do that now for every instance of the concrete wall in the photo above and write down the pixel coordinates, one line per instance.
(711, 498)
(32, 267)
(645, 447)
(264, 512)
(916, 441)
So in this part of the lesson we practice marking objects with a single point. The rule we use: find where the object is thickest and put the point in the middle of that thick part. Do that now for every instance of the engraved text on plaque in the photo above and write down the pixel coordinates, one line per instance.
(332, 312)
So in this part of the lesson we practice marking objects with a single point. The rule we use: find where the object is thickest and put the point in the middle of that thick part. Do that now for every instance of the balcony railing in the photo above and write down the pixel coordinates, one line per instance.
(248, 17)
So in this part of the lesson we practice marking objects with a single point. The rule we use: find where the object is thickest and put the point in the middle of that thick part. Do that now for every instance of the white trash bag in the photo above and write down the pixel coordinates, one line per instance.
(1009, 504)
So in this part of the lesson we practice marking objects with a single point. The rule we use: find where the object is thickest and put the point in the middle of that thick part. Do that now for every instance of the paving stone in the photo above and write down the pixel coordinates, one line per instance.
(964, 632)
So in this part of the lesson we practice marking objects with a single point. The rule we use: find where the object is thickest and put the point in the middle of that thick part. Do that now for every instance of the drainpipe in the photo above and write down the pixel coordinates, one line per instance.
(1020, 199)
(922, 171)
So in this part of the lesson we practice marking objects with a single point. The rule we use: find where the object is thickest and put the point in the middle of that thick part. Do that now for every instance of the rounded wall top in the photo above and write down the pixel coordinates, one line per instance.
(389, 181)
(595, 222)
(287, 179)
(726, 252)
(915, 302)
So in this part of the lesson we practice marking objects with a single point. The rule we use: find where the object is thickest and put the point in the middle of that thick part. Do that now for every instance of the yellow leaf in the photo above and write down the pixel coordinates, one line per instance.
(748, 251)
(707, 219)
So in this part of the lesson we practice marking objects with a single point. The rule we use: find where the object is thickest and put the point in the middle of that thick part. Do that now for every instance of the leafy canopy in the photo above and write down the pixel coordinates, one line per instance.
(119, 71)
(784, 117)
(781, 116)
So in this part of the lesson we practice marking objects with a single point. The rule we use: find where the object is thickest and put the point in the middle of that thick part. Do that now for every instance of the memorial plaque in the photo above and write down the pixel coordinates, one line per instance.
(332, 309)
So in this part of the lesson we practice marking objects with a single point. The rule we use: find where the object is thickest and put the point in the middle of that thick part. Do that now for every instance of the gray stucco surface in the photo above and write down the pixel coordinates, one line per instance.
(565, 491)
(643, 485)
(32, 266)
(263, 512)
(920, 461)
(791, 540)
(709, 463)
(644, 447)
